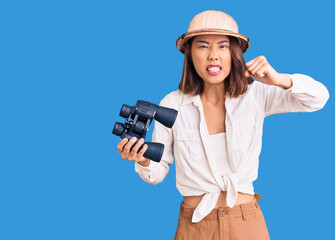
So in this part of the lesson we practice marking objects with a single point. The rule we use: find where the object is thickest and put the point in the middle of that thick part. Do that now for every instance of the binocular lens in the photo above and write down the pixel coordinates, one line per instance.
(118, 128)
(139, 127)
(125, 111)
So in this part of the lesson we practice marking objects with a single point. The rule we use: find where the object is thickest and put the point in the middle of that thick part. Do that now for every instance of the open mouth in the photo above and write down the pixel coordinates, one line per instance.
(214, 70)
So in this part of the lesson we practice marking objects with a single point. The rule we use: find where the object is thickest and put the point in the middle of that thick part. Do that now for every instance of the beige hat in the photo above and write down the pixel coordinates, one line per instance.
(212, 22)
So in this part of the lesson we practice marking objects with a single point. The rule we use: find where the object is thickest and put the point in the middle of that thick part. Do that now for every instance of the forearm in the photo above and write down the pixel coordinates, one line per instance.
(303, 94)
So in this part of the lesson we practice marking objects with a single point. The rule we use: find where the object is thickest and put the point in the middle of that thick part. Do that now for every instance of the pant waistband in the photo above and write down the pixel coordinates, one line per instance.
(238, 211)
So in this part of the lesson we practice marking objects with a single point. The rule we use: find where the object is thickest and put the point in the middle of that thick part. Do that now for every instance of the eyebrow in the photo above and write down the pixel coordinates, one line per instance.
(208, 42)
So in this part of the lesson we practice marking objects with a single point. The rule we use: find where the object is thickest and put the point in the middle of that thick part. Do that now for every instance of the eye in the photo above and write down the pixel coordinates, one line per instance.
(224, 46)
(202, 46)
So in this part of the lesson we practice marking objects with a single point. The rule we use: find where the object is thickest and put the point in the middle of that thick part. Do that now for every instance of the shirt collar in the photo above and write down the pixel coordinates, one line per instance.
(187, 99)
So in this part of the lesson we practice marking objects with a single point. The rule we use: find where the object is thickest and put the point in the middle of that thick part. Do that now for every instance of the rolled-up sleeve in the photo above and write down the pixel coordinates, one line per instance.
(305, 95)
(155, 172)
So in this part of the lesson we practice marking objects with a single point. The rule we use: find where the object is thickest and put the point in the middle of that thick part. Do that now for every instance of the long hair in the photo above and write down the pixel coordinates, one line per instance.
(235, 84)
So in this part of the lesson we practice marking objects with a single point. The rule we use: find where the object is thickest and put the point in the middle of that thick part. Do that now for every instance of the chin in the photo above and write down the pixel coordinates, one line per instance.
(214, 82)
(215, 79)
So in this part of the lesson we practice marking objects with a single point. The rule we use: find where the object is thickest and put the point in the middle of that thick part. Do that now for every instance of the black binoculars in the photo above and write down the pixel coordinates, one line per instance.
(142, 115)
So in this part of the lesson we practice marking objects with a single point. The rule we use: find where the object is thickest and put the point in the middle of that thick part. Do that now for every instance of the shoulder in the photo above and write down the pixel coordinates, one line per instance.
(256, 87)
(172, 99)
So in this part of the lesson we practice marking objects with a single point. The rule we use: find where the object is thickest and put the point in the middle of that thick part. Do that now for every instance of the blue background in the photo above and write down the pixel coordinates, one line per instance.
(68, 66)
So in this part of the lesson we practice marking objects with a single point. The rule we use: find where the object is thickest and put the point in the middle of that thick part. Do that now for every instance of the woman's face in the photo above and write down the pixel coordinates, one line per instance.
(211, 50)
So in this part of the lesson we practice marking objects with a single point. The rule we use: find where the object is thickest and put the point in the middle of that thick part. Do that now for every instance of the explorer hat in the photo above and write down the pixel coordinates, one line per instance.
(212, 22)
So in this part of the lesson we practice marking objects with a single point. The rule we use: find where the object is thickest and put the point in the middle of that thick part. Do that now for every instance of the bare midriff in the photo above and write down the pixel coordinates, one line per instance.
(193, 201)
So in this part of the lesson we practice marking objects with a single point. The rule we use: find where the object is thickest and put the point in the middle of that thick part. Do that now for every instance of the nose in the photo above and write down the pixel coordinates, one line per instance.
(212, 56)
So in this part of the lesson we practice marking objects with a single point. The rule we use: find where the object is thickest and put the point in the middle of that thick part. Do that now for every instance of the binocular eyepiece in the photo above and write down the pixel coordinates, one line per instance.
(142, 115)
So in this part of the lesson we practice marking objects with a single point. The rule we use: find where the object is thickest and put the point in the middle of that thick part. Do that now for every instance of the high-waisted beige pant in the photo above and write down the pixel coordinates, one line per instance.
(242, 222)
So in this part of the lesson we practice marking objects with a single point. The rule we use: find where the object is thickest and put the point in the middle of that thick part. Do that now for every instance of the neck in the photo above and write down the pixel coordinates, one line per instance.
(213, 94)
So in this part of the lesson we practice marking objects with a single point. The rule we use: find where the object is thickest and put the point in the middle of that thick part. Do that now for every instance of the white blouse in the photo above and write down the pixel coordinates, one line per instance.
(198, 169)
(218, 146)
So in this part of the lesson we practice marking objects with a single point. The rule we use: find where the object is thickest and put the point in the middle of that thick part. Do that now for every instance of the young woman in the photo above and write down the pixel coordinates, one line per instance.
(216, 139)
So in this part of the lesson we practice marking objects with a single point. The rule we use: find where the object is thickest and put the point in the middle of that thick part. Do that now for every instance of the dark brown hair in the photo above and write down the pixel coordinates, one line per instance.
(235, 84)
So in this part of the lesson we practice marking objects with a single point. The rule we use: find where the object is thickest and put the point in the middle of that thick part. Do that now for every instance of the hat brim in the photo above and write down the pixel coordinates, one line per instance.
(181, 41)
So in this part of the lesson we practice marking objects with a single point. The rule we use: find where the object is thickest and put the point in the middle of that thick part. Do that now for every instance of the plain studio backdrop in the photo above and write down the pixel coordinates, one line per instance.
(68, 66)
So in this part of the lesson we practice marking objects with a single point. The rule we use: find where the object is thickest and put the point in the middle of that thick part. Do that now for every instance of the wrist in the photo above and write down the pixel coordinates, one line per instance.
(285, 81)
(145, 164)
